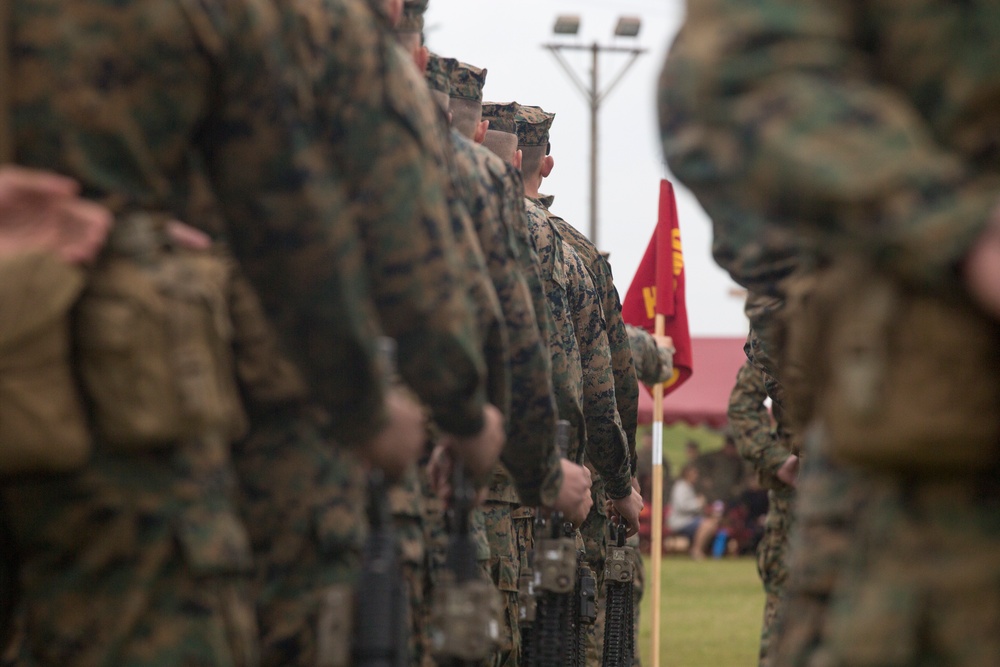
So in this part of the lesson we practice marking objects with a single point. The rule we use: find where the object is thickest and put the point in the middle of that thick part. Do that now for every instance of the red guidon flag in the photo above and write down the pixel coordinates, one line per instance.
(658, 288)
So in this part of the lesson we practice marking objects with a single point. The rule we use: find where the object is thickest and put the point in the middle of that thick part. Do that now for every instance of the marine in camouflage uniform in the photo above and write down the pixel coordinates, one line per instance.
(358, 77)
(758, 443)
(419, 519)
(532, 414)
(864, 127)
(533, 139)
(139, 558)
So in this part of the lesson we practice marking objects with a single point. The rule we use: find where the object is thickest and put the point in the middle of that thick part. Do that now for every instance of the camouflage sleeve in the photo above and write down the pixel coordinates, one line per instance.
(289, 220)
(653, 364)
(380, 122)
(773, 111)
(751, 424)
(531, 418)
(547, 279)
(465, 204)
(607, 445)
(622, 365)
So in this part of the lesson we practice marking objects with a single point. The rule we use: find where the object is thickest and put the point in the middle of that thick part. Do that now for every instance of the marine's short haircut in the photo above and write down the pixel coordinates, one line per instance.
(531, 159)
(465, 115)
(504, 144)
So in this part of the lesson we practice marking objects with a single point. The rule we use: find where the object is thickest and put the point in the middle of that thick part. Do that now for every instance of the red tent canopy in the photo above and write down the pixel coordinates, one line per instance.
(704, 398)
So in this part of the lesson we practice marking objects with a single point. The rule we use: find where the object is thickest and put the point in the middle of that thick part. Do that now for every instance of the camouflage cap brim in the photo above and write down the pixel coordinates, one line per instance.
(533, 125)
(467, 82)
(501, 115)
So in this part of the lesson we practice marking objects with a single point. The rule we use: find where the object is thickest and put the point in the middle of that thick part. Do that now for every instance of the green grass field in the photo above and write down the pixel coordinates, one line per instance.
(711, 613)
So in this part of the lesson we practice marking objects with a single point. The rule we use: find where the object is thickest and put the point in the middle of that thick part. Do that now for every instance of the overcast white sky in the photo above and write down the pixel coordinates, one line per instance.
(506, 38)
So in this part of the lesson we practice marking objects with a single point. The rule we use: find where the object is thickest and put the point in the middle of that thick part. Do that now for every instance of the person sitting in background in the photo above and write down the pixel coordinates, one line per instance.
(687, 513)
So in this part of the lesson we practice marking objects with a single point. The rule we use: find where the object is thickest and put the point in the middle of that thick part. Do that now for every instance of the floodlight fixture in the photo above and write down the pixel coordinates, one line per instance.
(628, 26)
(567, 24)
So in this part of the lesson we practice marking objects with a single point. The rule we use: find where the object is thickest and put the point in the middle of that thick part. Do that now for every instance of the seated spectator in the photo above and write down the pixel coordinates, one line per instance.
(745, 519)
(688, 513)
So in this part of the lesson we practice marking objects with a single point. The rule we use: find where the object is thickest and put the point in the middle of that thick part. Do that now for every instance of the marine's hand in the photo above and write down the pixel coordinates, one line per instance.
(789, 471)
(574, 499)
(480, 452)
(398, 445)
(982, 269)
(41, 211)
(628, 508)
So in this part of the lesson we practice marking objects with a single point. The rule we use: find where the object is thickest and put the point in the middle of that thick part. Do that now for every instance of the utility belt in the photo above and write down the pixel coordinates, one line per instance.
(900, 379)
(142, 343)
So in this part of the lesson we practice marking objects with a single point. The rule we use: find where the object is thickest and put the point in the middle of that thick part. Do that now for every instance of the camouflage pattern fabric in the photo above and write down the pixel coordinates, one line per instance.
(135, 559)
(766, 451)
(772, 565)
(563, 345)
(825, 526)
(467, 82)
(406, 502)
(607, 445)
(413, 16)
(501, 115)
(303, 501)
(533, 126)
(818, 118)
(653, 364)
(383, 133)
(531, 417)
(439, 73)
(315, 299)
(504, 570)
(622, 366)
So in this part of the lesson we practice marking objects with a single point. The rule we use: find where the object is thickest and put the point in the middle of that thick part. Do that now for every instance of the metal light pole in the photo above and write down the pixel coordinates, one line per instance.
(628, 26)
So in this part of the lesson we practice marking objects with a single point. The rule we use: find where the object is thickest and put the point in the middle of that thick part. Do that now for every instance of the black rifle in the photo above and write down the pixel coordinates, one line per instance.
(381, 632)
(619, 610)
(553, 638)
(464, 627)
(381, 628)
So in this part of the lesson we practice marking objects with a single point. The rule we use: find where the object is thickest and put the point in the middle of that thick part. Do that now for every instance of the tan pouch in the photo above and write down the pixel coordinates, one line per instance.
(912, 380)
(42, 423)
(155, 349)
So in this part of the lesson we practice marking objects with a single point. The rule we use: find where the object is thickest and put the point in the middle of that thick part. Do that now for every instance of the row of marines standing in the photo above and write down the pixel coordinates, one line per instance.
(280, 193)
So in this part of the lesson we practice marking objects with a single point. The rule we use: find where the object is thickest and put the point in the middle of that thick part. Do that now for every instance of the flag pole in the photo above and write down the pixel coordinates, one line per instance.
(656, 539)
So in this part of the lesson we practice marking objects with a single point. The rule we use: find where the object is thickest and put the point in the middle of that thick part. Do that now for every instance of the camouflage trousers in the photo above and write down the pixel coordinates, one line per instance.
(824, 529)
(303, 501)
(595, 549)
(432, 549)
(772, 561)
(135, 560)
(504, 570)
(921, 584)
(408, 503)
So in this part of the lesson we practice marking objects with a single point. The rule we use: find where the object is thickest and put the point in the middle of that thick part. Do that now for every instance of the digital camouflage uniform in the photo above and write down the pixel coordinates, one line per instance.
(533, 133)
(361, 84)
(532, 413)
(139, 558)
(565, 367)
(757, 442)
(862, 124)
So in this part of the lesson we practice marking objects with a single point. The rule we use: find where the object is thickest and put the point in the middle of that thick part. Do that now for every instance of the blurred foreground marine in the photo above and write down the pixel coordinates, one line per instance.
(135, 554)
(866, 128)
